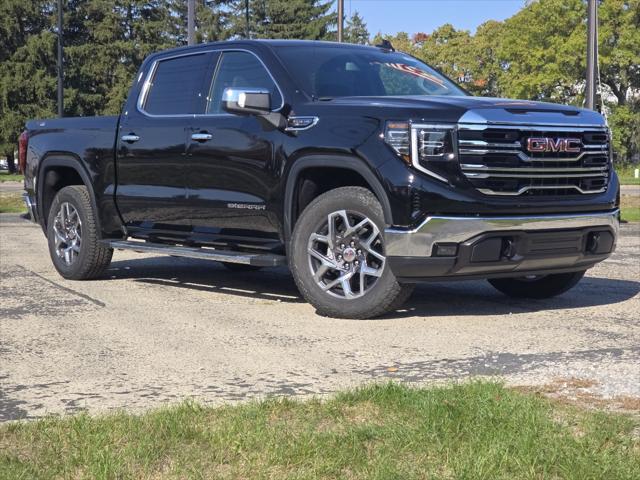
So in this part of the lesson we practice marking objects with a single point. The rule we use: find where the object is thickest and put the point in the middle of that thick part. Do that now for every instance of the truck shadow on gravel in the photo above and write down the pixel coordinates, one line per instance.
(480, 298)
(274, 284)
(429, 299)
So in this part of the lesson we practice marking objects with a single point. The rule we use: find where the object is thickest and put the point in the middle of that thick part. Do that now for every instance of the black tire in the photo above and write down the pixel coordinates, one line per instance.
(93, 257)
(546, 286)
(384, 294)
(240, 267)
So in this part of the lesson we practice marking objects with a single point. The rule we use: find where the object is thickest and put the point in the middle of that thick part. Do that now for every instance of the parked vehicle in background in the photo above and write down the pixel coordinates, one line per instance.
(362, 169)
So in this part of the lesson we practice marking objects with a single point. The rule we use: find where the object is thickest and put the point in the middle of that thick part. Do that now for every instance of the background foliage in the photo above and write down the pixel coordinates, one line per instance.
(539, 53)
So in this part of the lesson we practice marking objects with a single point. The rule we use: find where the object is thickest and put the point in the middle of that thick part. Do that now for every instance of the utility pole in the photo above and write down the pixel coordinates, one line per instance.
(592, 54)
(340, 19)
(246, 19)
(191, 22)
(60, 66)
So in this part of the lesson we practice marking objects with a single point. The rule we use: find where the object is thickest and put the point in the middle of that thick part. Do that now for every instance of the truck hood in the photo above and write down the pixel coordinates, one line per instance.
(482, 110)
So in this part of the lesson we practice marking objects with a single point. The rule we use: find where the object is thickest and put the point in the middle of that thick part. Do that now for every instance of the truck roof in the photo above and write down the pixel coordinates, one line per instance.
(268, 42)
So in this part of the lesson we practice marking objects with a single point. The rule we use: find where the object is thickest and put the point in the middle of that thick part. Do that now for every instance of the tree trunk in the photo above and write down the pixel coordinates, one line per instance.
(11, 162)
(620, 92)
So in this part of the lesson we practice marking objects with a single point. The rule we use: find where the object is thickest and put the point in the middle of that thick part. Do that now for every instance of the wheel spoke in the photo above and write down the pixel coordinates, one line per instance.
(322, 269)
(60, 239)
(323, 258)
(67, 212)
(373, 253)
(357, 227)
(371, 272)
(331, 284)
(346, 287)
(316, 237)
(374, 234)
(345, 277)
(61, 214)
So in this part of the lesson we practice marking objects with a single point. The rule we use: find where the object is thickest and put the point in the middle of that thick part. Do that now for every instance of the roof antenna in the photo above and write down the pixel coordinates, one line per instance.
(386, 45)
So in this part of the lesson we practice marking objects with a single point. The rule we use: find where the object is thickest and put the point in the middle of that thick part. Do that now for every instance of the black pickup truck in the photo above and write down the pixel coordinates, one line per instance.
(362, 168)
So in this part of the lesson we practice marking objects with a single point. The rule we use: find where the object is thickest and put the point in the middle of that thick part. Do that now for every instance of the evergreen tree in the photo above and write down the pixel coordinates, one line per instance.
(213, 20)
(27, 68)
(288, 19)
(105, 44)
(356, 30)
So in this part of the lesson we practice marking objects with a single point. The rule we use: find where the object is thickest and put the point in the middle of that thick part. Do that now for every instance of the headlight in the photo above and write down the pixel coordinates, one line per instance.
(433, 150)
(429, 148)
(396, 135)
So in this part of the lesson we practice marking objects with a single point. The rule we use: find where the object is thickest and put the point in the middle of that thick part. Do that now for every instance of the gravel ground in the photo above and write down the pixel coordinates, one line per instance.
(162, 329)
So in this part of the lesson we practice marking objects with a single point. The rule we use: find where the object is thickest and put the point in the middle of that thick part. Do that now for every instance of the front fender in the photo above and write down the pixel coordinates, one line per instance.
(332, 161)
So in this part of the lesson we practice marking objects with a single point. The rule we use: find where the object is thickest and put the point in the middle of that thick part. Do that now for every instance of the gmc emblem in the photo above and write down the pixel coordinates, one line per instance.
(545, 144)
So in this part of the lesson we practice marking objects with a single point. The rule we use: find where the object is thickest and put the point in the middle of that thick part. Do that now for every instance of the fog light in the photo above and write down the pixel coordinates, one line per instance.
(446, 249)
(593, 241)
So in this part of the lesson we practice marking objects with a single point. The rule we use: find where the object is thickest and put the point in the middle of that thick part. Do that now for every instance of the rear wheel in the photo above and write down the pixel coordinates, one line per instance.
(338, 259)
(537, 286)
(73, 237)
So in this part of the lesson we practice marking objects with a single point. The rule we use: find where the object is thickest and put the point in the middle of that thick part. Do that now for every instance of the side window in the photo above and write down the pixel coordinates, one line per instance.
(240, 70)
(176, 85)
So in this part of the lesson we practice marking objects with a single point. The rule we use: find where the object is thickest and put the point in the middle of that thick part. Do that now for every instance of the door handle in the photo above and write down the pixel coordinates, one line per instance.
(201, 137)
(130, 138)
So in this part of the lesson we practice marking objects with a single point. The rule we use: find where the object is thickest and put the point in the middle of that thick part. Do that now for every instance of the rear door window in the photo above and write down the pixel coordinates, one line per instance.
(176, 87)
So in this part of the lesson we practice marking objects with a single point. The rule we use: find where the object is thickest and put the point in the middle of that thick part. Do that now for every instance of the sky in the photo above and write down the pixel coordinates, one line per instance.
(411, 16)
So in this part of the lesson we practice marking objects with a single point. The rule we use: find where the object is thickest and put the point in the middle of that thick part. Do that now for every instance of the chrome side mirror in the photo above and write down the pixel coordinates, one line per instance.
(248, 101)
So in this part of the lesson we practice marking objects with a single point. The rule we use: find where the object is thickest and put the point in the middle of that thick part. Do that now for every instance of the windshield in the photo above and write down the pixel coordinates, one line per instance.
(329, 71)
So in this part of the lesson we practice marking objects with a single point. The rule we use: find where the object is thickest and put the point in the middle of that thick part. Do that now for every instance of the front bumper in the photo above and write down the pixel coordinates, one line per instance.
(482, 247)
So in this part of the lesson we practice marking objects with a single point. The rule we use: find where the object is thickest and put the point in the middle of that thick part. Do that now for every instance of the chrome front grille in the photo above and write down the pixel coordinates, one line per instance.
(496, 160)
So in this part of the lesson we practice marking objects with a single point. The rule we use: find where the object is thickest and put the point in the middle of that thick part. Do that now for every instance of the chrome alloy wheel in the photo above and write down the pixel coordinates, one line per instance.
(346, 255)
(67, 228)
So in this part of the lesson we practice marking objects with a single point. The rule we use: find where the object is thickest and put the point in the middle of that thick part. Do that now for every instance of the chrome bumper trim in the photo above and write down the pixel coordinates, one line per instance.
(419, 241)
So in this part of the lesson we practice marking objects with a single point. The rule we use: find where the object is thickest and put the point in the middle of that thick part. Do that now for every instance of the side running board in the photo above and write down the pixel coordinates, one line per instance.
(255, 259)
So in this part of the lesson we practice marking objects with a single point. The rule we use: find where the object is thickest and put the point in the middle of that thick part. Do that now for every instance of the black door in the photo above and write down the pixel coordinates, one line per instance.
(232, 176)
(151, 167)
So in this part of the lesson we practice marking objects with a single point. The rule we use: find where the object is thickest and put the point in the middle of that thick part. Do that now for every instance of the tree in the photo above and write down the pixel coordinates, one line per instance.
(356, 30)
(619, 47)
(542, 52)
(213, 20)
(105, 44)
(449, 50)
(27, 69)
(287, 19)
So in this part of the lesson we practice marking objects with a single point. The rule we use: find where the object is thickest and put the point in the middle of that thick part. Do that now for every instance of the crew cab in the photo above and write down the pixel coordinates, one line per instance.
(361, 168)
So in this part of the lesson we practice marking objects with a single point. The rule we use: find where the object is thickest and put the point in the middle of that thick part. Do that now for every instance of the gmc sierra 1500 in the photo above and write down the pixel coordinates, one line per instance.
(362, 168)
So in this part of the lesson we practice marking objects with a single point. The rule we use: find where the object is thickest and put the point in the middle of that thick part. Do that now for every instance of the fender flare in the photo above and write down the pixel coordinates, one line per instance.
(68, 161)
(333, 161)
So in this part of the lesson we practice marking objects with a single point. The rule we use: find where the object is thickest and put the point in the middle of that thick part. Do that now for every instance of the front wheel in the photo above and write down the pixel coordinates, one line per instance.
(537, 286)
(337, 256)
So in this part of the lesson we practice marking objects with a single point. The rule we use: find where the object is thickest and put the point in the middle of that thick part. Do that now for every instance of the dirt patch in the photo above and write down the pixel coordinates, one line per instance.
(578, 392)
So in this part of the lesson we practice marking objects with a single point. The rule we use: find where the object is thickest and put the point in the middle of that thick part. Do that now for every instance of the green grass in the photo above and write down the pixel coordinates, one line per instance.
(625, 173)
(10, 177)
(472, 431)
(630, 208)
(12, 203)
